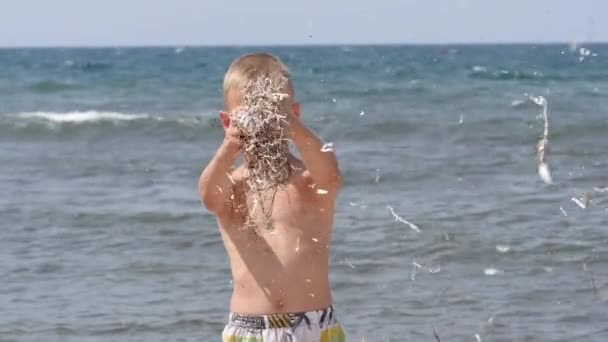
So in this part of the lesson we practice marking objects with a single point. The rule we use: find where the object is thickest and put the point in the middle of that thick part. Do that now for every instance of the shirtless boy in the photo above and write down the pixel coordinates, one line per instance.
(280, 275)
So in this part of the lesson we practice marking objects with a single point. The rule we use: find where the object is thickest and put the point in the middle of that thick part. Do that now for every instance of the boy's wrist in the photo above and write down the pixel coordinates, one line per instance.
(230, 146)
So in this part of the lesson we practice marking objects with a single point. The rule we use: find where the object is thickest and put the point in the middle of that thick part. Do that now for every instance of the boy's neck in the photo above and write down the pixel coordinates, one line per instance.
(294, 162)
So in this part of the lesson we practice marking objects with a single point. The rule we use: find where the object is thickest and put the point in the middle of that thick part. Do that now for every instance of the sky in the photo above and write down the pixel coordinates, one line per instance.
(274, 22)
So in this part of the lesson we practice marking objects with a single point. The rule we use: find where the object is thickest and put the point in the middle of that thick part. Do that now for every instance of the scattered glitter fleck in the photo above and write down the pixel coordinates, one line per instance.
(492, 271)
(402, 220)
(349, 263)
(503, 248)
(435, 270)
(579, 203)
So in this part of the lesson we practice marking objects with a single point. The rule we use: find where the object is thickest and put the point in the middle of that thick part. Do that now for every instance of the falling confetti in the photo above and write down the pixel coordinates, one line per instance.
(436, 335)
(402, 220)
(503, 249)
(542, 146)
(435, 269)
(329, 147)
(416, 266)
(545, 173)
(491, 271)
(584, 53)
(349, 263)
(261, 122)
(584, 202)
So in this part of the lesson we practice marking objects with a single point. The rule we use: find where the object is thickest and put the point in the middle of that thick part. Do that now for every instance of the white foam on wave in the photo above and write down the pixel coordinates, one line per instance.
(82, 117)
(479, 69)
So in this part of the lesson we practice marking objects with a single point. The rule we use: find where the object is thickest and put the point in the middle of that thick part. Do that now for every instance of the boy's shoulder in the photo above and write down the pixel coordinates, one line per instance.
(300, 176)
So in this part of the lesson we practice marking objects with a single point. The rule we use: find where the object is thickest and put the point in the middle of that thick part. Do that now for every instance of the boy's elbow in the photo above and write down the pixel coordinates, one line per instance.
(208, 197)
(212, 202)
(335, 182)
(339, 181)
(209, 203)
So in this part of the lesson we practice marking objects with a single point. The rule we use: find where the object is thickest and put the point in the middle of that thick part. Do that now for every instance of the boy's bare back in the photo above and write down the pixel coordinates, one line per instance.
(283, 269)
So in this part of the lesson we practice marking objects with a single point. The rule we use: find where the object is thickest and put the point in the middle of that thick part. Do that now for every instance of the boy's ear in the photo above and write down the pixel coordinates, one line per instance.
(296, 109)
(225, 119)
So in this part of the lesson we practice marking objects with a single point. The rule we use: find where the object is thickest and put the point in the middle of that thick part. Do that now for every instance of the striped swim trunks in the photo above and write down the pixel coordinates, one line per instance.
(313, 326)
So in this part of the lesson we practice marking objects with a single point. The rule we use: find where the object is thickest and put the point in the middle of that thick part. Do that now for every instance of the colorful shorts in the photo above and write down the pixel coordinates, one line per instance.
(314, 326)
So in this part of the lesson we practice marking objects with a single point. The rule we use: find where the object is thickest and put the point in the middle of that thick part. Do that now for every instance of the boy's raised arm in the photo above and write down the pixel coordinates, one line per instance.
(322, 165)
(215, 183)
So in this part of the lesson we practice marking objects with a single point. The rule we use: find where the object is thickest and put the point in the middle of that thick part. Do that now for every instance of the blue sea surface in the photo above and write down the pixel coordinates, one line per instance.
(103, 237)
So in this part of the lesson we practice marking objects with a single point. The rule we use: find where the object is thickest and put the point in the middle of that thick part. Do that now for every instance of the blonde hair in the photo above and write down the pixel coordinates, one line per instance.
(251, 67)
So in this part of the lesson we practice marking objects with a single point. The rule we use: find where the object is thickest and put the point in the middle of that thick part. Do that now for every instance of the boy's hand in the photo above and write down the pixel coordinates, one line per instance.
(233, 136)
(292, 122)
(215, 183)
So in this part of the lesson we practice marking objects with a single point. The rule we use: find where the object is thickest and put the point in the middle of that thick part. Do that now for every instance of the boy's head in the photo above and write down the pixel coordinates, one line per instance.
(248, 68)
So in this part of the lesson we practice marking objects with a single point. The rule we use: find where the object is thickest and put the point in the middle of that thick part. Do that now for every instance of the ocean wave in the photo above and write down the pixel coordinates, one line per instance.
(82, 117)
(88, 66)
(49, 86)
(503, 74)
(43, 123)
(482, 72)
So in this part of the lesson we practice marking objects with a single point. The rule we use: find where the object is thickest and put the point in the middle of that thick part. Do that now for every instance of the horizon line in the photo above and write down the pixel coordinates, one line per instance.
(303, 45)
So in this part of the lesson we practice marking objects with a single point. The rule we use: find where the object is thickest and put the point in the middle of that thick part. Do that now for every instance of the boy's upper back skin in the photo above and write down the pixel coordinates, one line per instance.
(283, 269)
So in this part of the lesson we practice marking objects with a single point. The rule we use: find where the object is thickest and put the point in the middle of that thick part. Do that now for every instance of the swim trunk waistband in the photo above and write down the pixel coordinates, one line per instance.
(280, 321)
